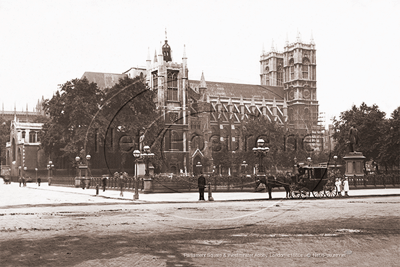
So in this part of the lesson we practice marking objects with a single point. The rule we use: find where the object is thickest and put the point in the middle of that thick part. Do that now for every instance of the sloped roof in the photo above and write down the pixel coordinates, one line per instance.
(103, 80)
(236, 90)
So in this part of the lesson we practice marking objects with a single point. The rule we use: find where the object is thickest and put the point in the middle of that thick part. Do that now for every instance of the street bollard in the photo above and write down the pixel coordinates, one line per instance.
(97, 189)
(210, 198)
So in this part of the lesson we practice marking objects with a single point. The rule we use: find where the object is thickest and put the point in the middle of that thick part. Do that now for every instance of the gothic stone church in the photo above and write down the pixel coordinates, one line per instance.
(213, 111)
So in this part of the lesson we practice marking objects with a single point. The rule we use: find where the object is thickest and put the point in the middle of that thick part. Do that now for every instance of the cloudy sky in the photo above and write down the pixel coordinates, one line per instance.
(46, 43)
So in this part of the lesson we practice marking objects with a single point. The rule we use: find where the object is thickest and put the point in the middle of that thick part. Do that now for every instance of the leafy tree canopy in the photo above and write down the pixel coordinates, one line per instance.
(370, 123)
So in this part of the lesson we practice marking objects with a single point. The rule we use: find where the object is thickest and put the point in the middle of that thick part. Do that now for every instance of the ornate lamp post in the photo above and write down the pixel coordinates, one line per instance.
(136, 156)
(88, 157)
(244, 166)
(50, 167)
(199, 166)
(260, 151)
(147, 155)
(36, 169)
(309, 161)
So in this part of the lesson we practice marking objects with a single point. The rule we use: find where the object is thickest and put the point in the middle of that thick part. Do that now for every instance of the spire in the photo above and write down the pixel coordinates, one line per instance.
(148, 54)
(312, 39)
(263, 50)
(166, 49)
(155, 56)
(287, 39)
(272, 46)
(298, 37)
(202, 81)
(184, 51)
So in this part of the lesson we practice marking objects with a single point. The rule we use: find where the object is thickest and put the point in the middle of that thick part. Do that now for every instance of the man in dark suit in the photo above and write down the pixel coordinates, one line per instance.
(202, 184)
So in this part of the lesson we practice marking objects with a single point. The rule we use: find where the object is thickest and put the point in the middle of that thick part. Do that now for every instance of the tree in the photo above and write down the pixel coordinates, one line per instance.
(131, 110)
(389, 150)
(83, 119)
(4, 138)
(71, 111)
(370, 123)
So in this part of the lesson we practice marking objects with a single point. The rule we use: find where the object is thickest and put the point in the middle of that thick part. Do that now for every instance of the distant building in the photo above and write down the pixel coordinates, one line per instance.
(202, 115)
(23, 150)
(23, 116)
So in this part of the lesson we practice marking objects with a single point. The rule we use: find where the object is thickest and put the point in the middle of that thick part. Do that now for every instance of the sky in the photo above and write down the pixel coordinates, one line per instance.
(46, 43)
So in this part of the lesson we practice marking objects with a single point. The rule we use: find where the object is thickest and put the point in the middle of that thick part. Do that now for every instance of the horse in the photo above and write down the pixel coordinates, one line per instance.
(272, 181)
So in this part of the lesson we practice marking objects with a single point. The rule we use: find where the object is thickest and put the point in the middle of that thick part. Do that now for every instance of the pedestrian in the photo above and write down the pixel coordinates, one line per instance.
(39, 180)
(201, 184)
(338, 187)
(20, 181)
(104, 182)
(83, 182)
(121, 184)
(23, 181)
(346, 187)
(341, 186)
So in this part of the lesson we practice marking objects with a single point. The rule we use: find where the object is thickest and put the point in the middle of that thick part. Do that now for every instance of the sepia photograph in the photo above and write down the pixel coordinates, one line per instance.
(199, 133)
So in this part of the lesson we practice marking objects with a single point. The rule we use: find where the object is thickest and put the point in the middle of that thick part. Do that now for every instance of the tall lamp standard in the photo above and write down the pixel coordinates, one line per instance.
(260, 151)
(88, 157)
(50, 167)
(244, 166)
(136, 156)
(199, 166)
(147, 155)
(309, 161)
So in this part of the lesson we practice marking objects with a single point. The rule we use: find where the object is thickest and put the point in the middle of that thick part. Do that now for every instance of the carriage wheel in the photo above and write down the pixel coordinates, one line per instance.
(294, 192)
(318, 194)
(330, 191)
(305, 192)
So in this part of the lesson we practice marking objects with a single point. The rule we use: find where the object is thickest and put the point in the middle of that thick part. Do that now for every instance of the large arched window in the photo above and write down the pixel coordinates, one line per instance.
(155, 80)
(307, 115)
(291, 64)
(305, 66)
(172, 82)
(32, 137)
(266, 76)
(280, 76)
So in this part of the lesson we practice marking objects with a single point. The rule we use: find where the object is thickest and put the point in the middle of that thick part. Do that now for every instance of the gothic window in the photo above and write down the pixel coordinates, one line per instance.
(307, 114)
(155, 80)
(280, 75)
(172, 82)
(32, 137)
(291, 64)
(306, 63)
(23, 134)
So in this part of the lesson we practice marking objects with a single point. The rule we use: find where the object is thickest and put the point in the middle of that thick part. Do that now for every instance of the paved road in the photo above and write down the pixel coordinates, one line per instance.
(33, 194)
(61, 226)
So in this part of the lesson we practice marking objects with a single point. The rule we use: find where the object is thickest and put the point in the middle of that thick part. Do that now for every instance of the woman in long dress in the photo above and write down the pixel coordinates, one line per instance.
(338, 185)
(346, 186)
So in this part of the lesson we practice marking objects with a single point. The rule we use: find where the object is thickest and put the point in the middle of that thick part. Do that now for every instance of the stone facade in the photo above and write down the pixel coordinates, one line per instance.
(23, 150)
(201, 115)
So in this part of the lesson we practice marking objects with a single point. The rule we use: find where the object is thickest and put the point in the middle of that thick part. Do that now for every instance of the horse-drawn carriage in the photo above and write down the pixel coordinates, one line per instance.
(313, 180)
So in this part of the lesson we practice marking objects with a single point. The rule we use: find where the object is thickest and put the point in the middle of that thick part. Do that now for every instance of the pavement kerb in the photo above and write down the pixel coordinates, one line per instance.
(132, 201)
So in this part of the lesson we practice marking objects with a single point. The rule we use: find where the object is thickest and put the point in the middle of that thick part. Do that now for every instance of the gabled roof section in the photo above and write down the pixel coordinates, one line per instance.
(103, 80)
(245, 90)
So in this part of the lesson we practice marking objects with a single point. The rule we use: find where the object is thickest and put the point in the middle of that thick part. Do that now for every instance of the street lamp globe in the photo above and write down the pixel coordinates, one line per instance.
(50, 162)
(260, 142)
(136, 153)
(88, 157)
(77, 159)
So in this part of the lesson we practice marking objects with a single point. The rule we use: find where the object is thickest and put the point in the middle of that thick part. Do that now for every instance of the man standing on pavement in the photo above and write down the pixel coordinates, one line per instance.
(346, 187)
(201, 184)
